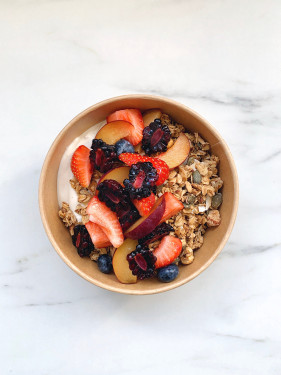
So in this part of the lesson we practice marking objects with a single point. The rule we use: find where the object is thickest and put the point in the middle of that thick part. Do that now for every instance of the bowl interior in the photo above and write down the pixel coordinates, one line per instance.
(214, 239)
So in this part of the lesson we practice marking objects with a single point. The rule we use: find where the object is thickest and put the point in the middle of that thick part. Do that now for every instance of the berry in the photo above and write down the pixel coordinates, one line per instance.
(100, 214)
(142, 176)
(168, 273)
(98, 237)
(145, 205)
(142, 262)
(168, 250)
(111, 193)
(81, 166)
(128, 215)
(123, 146)
(155, 137)
(103, 156)
(161, 167)
(159, 232)
(105, 263)
(82, 241)
(133, 116)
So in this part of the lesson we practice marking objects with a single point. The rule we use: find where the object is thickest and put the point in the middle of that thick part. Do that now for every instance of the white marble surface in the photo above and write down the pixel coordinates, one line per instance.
(221, 58)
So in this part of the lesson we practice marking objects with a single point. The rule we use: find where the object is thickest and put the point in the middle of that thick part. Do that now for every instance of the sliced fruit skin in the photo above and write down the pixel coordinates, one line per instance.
(102, 215)
(120, 263)
(176, 154)
(145, 205)
(150, 115)
(172, 207)
(159, 232)
(133, 116)
(118, 174)
(81, 165)
(114, 131)
(161, 167)
(146, 224)
(168, 250)
(98, 236)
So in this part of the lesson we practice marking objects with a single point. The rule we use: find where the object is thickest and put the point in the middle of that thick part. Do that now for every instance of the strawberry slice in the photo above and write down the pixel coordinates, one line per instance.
(144, 205)
(168, 250)
(103, 216)
(133, 116)
(161, 167)
(81, 166)
(173, 206)
(98, 237)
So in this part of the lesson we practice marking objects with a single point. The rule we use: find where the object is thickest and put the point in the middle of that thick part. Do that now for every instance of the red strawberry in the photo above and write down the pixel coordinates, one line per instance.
(81, 166)
(161, 167)
(144, 205)
(173, 206)
(167, 251)
(133, 116)
(98, 237)
(103, 216)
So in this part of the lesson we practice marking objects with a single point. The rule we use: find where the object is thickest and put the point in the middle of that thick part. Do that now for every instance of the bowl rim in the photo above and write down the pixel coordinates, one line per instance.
(164, 287)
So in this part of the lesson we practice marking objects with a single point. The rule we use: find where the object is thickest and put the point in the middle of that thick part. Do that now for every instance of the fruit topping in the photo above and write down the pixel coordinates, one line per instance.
(105, 263)
(100, 214)
(120, 264)
(159, 232)
(113, 131)
(142, 262)
(111, 193)
(151, 115)
(147, 224)
(172, 207)
(168, 273)
(168, 250)
(118, 174)
(155, 137)
(82, 241)
(161, 167)
(123, 146)
(142, 177)
(134, 117)
(127, 214)
(177, 154)
(81, 166)
(145, 205)
(103, 156)
(98, 236)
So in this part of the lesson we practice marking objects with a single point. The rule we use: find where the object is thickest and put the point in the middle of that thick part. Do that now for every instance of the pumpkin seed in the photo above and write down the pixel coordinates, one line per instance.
(190, 161)
(196, 176)
(217, 200)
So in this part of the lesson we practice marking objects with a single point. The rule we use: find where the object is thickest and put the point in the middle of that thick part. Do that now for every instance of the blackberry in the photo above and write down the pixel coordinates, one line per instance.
(142, 262)
(103, 156)
(112, 193)
(142, 177)
(155, 137)
(159, 232)
(82, 241)
(127, 214)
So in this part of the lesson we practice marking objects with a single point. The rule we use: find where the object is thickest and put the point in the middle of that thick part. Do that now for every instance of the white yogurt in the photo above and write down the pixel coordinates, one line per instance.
(64, 191)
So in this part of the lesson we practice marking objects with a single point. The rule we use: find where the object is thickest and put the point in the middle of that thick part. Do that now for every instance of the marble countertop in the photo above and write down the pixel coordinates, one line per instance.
(221, 58)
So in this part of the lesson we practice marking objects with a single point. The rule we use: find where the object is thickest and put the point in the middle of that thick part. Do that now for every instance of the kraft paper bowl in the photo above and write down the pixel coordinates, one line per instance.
(214, 239)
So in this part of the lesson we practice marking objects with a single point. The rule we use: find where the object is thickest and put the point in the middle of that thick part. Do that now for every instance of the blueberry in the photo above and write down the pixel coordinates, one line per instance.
(168, 273)
(105, 263)
(123, 146)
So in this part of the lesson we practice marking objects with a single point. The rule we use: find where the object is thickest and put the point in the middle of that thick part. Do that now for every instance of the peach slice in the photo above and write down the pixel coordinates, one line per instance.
(114, 131)
(118, 174)
(120, 263)
(150, 115)
(177, 154)
(146, 224)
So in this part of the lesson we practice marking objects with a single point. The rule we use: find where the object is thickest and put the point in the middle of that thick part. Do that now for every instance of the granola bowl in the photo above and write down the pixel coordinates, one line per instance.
(211, 160)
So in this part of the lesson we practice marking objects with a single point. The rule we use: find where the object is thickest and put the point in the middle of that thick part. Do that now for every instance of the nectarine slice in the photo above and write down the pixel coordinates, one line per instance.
(118, 174)
(120, 263)
(150, 115)
(114, 131)
(177, 154)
